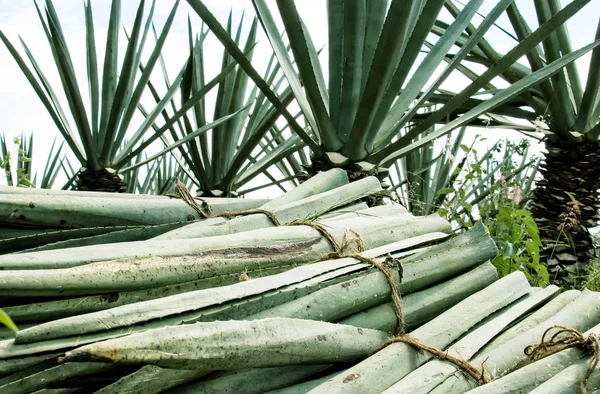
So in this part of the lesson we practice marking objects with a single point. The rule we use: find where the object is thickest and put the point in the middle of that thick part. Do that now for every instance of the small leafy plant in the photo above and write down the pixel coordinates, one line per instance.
(518, 241)
(16, 163)
(15, 176)
(496, 187)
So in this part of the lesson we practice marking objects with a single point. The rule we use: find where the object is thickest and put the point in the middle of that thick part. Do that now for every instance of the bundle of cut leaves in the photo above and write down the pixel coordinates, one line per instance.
(32, 218)
(49, 219)
(298, 294)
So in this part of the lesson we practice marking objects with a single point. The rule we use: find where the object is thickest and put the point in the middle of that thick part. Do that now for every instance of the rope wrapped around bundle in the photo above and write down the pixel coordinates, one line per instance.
(352, 246)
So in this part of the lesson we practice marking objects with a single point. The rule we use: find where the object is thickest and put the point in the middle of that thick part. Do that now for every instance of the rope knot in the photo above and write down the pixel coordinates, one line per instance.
(565, 338)
(352, 243)
(478, 374)
(183, 193)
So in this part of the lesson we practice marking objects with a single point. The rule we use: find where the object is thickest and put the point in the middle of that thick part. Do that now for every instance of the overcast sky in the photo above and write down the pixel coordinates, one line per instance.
(21, 110)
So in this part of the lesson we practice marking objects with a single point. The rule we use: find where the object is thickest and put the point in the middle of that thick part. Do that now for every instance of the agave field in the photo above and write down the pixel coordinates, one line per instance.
(309, 292)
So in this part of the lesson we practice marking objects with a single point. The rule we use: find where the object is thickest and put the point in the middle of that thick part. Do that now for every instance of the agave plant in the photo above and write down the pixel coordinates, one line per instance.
(566, 200)
(102, 139)
(20, 177)
(423, 180)
(369, 113)
(227, 158)
(158, 177)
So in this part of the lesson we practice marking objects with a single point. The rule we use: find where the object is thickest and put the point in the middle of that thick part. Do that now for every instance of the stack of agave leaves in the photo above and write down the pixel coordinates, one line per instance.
(32, 218)
(250, 303)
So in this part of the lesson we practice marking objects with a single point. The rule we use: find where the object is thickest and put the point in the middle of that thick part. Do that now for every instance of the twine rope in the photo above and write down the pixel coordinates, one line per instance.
(476, 373)
(340, 251)
(182, 192)
(345, 250)
(566, 338)
(269, 214)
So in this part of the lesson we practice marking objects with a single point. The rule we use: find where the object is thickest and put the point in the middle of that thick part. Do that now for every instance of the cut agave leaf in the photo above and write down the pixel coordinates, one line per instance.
(238, 344)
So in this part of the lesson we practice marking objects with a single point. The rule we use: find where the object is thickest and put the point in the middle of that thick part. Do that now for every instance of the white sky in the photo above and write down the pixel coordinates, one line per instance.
(22, 112)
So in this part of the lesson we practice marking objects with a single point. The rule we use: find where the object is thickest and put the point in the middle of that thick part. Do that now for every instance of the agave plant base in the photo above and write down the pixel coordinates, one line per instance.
(217, 193)
(354, 170)
(104, 180)
(565, 206)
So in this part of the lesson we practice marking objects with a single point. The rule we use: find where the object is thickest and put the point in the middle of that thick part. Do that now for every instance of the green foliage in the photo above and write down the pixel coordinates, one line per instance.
(589, 277)
(591, 280)
(495, 187)
(518, 241)
(7, 321)
(20, 177)
(504, 173)
(19, 172)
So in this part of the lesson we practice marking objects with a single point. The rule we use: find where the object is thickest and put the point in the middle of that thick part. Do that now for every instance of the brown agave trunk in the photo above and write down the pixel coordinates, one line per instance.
(565, 205)
(103, 180)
